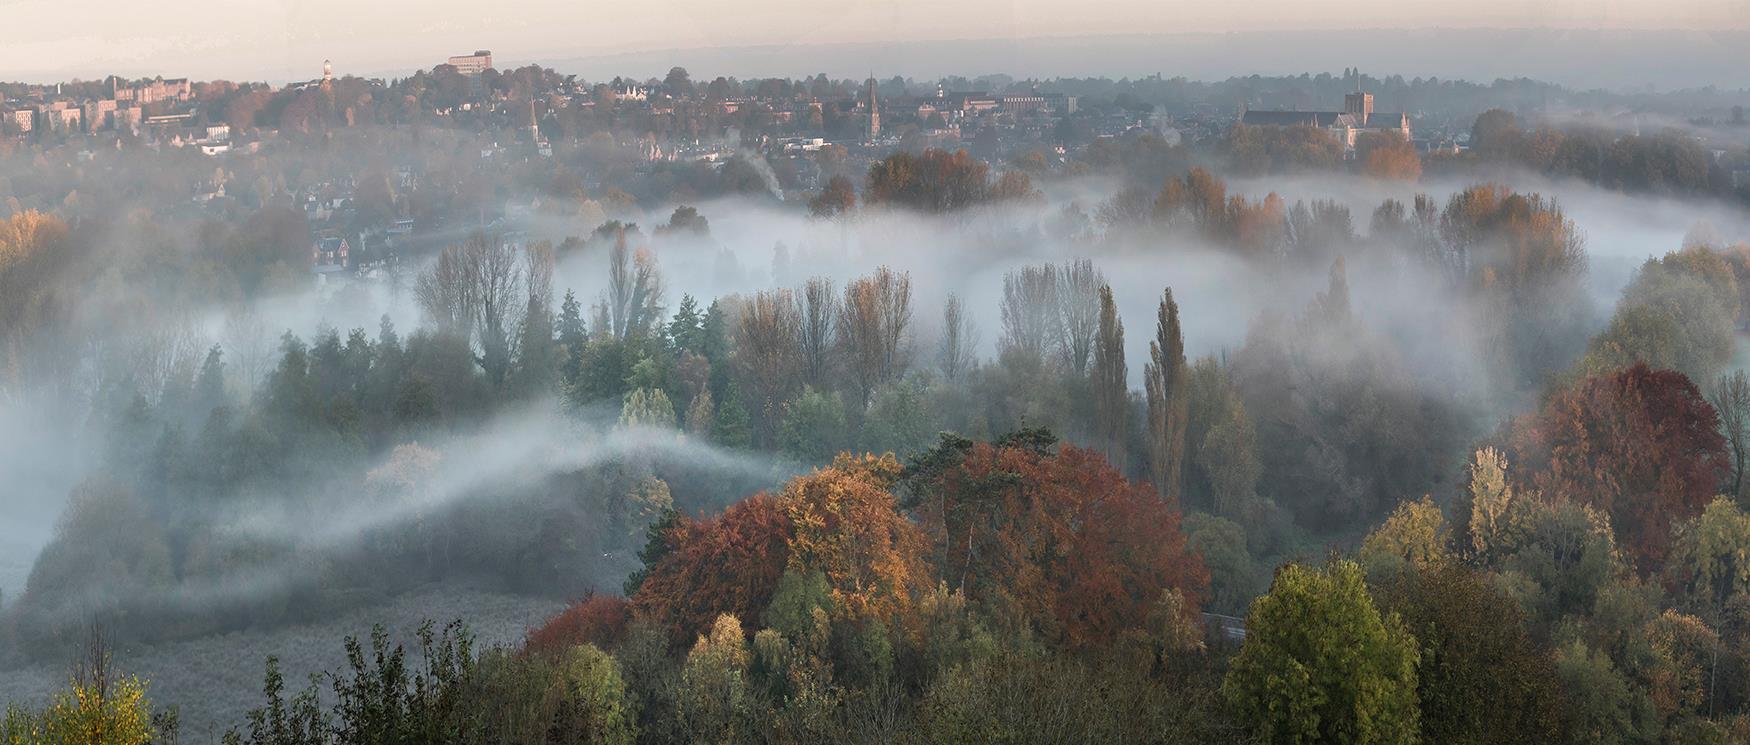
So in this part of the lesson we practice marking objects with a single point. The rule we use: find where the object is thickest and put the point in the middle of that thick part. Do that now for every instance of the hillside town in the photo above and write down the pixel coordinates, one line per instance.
(625, 140)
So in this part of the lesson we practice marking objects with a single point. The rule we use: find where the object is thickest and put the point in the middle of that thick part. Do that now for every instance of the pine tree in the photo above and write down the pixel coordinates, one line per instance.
(1165, 383)
(572, 337)
(1111, 388)
(687, 330)
(733, 427)
(535, 370)
(209, 387)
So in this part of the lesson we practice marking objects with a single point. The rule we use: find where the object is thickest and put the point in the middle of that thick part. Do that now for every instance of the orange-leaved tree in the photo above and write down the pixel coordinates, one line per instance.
(841, 521)
(848, 527)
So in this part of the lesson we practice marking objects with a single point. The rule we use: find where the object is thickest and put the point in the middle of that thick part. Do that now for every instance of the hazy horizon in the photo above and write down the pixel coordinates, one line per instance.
(1582, 55)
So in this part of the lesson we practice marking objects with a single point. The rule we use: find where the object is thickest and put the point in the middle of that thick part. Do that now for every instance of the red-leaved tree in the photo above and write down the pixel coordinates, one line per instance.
(727, 564)
(1642, 445)
(597, 619)
(1053, 533)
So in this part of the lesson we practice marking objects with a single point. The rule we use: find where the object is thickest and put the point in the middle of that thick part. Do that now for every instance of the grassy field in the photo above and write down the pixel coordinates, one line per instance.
(215, 680)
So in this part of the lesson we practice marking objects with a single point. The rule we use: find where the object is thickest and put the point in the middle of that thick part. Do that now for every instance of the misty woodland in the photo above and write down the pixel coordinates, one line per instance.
(487, 406)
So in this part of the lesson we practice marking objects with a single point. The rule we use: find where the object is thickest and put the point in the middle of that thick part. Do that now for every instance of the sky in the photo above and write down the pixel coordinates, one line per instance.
(279, 40)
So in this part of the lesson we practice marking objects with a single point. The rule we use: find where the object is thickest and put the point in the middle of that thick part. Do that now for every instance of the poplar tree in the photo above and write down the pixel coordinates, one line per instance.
(1164, 382)
(1111, 392)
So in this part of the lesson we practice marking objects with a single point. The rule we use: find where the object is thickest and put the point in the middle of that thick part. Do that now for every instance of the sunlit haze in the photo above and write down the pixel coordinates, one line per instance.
(282, 40)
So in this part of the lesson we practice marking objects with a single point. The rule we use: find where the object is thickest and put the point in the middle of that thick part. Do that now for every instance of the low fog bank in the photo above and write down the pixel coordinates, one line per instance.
(1622, 230)
(756, 244)
(470, 496)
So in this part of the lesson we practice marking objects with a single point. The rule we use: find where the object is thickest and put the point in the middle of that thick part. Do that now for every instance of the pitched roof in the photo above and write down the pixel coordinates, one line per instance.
(1282, 118)
(1298, 119)
(1387, 119)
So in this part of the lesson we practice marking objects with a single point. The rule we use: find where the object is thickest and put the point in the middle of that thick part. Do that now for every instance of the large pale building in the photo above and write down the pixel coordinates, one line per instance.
(472, 64)
(175, 90)
(874, 129)
(1357, 118)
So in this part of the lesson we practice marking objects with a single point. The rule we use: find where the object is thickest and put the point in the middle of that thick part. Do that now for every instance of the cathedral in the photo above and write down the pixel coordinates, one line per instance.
(1356, 118)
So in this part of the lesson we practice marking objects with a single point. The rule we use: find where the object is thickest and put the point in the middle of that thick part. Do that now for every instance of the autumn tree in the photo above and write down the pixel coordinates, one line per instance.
(716, 703)
(848, 527)
(934, 181)
(841, 521)
(1710, 558)
(1526, 257)
(1414, 536)
(1322, 664)
(1052, 535)
(838, 197)
(101, 704)
(1388, 156)
(729, 564)
(598, 619)
(1641, 445)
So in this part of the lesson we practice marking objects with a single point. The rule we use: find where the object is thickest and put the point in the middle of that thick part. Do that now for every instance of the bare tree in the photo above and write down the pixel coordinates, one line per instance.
(1732, 399)
(895, 321)
(634, 299)
(959, 340)
(818, 306)
(481, 290)
(446, 291)
(248, 346)
(873, 323)
(767, 352)
(1078, 293)
(1031, 322)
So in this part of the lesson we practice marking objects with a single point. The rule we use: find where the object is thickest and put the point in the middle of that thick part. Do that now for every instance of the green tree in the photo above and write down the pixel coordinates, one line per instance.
(647, 407)
(573, 338)
(715, 702)
(901, 419)
(589, 700)
(813, 429)
(1321, 664)
(1710, 561)
(1414, 536)
(1481, 677)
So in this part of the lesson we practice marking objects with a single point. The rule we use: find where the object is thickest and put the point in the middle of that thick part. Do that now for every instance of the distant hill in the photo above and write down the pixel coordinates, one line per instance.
(1615, 60)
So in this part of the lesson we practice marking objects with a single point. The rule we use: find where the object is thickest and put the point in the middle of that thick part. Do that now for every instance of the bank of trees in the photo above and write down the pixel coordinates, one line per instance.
(1666, 160)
